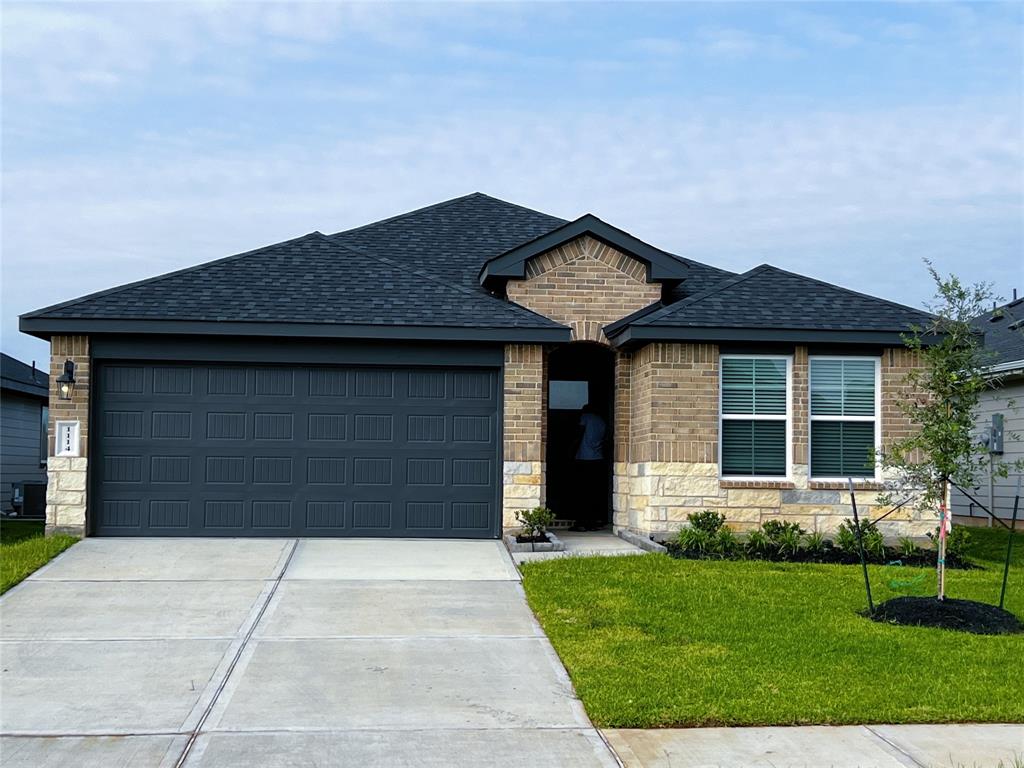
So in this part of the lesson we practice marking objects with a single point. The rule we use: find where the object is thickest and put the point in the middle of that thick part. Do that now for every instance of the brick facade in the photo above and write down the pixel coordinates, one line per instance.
(666, 411)
(585, 285)
(524, 419)
(670, 467)
(66, 490)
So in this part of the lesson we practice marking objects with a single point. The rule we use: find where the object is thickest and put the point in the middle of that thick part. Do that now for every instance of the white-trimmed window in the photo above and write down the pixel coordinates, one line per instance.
(755, 416)
(845, 424)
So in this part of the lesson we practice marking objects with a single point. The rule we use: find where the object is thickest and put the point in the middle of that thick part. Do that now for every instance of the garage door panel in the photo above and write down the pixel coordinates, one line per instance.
(306, 451)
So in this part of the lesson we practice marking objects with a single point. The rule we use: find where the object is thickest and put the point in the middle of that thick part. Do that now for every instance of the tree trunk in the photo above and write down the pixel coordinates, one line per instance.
(944, 511)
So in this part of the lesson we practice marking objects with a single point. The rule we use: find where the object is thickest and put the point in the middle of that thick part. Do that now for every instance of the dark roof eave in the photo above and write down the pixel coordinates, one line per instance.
(633, 335)
(24, 388)
(662, 266)
(44, 328)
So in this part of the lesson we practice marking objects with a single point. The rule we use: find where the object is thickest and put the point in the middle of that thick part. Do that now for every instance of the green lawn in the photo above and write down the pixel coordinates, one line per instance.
(24, 549)
(654, 642)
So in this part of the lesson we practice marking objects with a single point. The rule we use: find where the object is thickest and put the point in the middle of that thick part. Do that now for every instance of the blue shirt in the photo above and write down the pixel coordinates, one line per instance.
(592, 445)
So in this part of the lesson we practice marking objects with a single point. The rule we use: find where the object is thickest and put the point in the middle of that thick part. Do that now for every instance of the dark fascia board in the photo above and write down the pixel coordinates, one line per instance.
(24, 388)
(634, 335)
(661, 266)
(44, 328)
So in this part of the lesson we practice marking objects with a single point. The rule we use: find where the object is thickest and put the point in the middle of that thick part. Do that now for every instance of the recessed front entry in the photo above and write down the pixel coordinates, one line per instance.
(235, 450)
(579, 439)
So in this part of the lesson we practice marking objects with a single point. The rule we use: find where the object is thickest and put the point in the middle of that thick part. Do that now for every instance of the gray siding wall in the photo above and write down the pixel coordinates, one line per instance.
(998, 401)
(20, 419)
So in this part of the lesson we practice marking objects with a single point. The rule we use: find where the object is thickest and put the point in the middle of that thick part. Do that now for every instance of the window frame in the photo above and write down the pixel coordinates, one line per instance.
(877, 418)
(788, 417)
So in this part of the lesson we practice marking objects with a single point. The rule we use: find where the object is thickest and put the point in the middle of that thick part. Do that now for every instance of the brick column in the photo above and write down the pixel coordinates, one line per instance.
(66, 490)
(525, 417)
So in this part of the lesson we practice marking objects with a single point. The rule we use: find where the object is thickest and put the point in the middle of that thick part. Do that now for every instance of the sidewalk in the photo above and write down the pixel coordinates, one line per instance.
(855, 746)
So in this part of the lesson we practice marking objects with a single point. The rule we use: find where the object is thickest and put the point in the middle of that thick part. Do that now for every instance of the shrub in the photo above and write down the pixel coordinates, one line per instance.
(535, 521)
(907, 547)
(726, 544)
(694, 541)
(956, 542)
(776, 529)
(709, 521)
(759, 544)
(787, 541)
(814, 543)
(874, 543)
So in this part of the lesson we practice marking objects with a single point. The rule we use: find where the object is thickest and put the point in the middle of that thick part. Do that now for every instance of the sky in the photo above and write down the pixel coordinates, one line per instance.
(843, 141)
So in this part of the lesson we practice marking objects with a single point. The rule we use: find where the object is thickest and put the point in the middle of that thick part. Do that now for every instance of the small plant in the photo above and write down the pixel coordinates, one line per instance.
(907, 547)
(694, 541)
(788, 540)
(956, 542)
(535, 522)
(776, 529)
(814, 543)
(726, 543)
(759, 544)
(874, 543)
(708, 520)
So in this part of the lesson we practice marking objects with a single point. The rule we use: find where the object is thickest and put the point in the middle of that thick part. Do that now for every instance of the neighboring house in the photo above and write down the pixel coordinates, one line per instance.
(394, 380)
(1004, 338)
(23, 423)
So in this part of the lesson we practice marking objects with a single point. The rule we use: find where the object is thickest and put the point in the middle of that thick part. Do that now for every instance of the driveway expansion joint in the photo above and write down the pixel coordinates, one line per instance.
(194, 734)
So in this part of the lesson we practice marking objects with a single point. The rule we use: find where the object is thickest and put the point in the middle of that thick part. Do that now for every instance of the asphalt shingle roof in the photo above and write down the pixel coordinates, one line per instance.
(453, 239)
(311, 279)
(768, 297)
(1004, 331)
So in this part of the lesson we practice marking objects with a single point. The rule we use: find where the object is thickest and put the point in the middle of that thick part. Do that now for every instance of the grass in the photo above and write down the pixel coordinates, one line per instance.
(654, 642)
(24, 549)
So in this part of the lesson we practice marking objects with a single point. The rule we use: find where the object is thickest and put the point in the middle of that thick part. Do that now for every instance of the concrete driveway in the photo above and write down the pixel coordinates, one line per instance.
(139, 652)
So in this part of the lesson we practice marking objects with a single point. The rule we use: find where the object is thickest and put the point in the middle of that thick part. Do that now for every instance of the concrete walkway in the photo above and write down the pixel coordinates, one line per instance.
(874, 746)
(276, 652)
(583, 544)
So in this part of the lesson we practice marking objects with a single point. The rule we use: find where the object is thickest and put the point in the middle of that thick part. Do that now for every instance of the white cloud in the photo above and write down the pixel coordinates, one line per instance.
(883, 187)
(729, 43)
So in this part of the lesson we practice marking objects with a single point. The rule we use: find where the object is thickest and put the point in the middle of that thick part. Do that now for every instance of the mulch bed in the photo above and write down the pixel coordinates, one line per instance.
(831, 554)
(961, 615)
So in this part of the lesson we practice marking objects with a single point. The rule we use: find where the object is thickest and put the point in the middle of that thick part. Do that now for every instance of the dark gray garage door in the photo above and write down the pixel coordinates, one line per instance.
(206, 450)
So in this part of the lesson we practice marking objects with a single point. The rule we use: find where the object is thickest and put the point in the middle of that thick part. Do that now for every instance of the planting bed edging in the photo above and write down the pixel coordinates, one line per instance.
(553, 544)
(643, 542)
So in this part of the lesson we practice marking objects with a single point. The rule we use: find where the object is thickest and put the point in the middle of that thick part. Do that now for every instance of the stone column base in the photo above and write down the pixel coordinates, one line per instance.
(65, 495)
(522, 488)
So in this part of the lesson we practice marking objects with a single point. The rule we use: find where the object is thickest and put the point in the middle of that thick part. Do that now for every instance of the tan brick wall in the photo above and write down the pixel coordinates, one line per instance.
(525, 424)
(66, 491)
(585, 285)
(896, 364)
(674, 413)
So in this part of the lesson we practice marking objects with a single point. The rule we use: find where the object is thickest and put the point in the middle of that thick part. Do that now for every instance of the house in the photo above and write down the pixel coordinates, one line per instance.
(422, 376)
(23, 423)
(1003, 328)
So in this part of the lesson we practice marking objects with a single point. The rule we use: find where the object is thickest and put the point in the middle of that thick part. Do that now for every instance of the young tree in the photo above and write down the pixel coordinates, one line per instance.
(944, 449)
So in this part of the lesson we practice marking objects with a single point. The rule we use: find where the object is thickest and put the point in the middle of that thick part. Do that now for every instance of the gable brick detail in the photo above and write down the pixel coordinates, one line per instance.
(586, 285)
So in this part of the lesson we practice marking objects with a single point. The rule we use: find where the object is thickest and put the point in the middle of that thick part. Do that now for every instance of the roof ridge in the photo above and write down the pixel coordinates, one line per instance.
(175, 273)
(426, 275)
(435, 206)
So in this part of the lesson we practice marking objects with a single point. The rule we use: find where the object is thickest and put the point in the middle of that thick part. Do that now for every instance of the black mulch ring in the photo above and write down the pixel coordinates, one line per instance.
(542, 539)
(960, 615)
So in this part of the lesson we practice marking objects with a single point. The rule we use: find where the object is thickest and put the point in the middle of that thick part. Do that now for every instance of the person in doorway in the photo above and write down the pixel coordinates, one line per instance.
(593, 493)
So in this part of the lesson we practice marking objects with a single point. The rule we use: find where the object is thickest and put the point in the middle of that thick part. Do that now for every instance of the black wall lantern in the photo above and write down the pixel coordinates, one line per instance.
(66, 381)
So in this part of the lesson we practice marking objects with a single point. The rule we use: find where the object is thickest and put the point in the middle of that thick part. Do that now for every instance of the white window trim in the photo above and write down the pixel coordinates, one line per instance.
(788, 477)
(877, 418)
